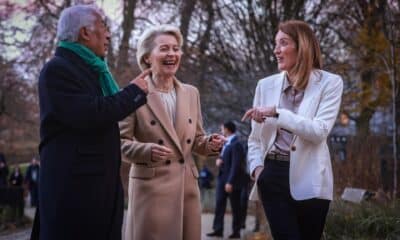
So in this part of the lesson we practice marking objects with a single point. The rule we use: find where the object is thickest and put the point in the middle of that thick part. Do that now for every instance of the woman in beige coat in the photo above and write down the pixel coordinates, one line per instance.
(158, 140)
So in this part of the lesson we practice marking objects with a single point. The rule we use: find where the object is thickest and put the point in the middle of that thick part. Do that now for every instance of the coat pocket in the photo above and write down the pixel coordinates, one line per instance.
(142, 172)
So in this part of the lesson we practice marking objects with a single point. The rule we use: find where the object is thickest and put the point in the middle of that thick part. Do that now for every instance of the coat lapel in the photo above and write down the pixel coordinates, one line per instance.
(157, 107)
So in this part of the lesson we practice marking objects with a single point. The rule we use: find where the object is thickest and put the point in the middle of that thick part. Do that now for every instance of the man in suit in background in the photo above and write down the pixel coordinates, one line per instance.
(80, 193)
(32, 181)
(3, 171)
(231, 179)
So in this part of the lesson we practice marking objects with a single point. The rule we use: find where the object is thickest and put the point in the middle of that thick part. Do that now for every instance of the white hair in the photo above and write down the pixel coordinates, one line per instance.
(146, 41)
(73, 18)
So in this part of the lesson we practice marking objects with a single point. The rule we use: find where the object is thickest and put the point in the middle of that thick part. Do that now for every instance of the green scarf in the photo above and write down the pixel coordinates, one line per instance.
(108, 85)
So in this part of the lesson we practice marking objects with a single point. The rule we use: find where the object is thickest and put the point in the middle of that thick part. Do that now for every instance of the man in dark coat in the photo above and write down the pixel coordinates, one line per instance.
(230, 182)
(32, 181)
(80, 193)
(3, 171)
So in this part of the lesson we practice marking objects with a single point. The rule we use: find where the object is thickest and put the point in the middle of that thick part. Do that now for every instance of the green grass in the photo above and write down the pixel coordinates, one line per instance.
(366, 221)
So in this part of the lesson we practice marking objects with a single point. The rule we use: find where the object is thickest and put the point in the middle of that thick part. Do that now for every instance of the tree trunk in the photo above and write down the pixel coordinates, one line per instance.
(187, 9)
(395, 119)
(128, 24)
(203, 46)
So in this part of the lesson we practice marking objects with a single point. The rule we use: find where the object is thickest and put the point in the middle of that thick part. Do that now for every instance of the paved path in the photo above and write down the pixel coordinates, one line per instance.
(206, 220)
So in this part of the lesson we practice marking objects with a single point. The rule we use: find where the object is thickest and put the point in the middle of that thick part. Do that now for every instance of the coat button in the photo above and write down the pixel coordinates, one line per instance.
(190, 120)
(161, 142)
(167, 162)
(293, 148)
(188, 141)
(181, 161)
(153, 122)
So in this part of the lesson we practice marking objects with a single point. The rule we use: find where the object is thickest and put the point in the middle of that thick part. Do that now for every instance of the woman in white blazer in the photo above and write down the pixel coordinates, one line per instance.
(293, 113)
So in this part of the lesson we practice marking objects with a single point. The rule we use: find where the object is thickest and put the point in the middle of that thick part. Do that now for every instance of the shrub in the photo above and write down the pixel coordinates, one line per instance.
(366, 221)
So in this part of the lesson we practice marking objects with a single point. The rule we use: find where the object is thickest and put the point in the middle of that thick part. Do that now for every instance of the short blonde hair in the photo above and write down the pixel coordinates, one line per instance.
(308, 51)
(146, 41)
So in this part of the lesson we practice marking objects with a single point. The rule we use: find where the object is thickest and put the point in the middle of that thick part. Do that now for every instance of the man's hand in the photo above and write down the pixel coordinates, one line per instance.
(219, 162)
(140, 82)
(160, 153)
(216, 142)
(228, 188)
(259, 114)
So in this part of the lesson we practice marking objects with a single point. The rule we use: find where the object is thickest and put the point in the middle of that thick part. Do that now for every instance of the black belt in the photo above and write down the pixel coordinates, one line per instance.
(277, 157)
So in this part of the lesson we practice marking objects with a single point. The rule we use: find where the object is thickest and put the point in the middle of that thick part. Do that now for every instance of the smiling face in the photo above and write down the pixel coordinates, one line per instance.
(165, 57)
(285, 51)
(96, 38)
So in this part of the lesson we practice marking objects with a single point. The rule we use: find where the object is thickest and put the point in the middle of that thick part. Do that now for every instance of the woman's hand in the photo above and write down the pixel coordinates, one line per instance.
(259, 114)
(216, 142)
(257, 172)
(160, 153)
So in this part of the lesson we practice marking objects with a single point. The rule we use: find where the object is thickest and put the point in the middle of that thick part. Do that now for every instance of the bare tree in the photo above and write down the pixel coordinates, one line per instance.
(391, 61)
(187, 9)
(359, 27)
(128, 24)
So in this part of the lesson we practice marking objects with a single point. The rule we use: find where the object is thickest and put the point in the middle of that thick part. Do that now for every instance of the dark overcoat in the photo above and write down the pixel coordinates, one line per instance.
(80, 194)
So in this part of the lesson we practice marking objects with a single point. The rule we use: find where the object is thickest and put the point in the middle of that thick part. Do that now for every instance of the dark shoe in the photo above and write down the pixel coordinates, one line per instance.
(214, 234)
(234, 235)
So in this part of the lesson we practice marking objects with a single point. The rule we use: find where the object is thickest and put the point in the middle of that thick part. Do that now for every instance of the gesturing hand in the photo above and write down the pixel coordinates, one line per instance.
(160, 153)
(140, 82)
(259, 114)
(216, 142)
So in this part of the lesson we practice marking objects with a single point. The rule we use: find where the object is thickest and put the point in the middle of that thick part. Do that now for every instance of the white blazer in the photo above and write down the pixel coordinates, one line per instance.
(310, 171)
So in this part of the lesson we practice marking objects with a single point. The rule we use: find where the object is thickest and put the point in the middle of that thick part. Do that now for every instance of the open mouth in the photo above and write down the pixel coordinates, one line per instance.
(169, 62)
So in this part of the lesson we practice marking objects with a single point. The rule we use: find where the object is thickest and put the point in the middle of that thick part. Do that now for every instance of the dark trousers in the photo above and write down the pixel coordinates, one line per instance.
(244, 199)
(220, 207)
(289, 219)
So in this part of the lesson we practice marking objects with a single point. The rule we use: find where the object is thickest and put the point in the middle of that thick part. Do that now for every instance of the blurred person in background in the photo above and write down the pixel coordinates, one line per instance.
(206, 178)
(3, 171)
(16, 178)
(230, 182)
(32, 181)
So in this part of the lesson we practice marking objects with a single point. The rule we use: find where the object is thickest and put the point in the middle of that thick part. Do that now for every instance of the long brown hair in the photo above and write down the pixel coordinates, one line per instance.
(308, 51)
